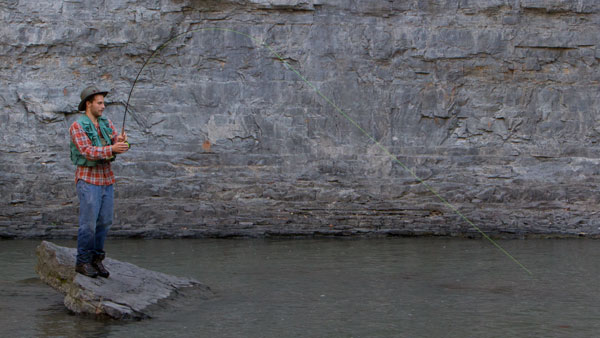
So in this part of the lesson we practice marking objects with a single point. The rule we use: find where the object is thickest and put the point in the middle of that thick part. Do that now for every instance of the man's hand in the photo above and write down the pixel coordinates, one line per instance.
(122, 137)
(120, 147)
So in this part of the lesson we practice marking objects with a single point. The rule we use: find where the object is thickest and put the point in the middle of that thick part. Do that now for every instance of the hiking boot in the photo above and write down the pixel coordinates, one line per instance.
(97, 264)
(86, 269)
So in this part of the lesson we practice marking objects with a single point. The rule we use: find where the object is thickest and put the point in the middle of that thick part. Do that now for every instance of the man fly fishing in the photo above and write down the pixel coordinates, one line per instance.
(94, 144)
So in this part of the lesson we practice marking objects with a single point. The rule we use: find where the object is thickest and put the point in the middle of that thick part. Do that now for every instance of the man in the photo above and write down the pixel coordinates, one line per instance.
(94, 144)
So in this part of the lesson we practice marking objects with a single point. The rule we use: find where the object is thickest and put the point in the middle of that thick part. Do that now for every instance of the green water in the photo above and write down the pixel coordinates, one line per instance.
(396, 287)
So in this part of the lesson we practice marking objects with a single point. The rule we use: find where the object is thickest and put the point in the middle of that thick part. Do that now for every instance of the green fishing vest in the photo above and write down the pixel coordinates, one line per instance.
(91, 132)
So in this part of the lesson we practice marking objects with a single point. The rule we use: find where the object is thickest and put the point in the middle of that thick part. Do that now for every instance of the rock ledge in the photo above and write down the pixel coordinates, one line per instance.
(130, 292)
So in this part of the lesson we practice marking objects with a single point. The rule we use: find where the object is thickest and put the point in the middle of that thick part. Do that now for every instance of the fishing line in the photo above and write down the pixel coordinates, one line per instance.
(341, 112)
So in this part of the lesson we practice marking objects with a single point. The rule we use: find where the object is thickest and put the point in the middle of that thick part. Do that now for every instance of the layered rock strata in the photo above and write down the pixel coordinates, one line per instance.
(494, 104)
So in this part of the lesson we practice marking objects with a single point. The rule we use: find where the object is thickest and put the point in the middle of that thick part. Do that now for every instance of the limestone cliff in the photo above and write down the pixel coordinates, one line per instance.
(493, 103)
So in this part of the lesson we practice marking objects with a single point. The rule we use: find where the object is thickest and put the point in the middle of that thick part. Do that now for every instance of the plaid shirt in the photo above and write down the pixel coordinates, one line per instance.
(101, 174)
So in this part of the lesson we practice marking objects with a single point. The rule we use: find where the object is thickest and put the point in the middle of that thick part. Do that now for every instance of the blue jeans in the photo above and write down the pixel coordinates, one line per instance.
(96, 203)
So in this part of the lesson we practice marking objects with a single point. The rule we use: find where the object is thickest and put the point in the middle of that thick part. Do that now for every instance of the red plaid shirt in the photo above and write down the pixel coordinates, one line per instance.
(101, 174)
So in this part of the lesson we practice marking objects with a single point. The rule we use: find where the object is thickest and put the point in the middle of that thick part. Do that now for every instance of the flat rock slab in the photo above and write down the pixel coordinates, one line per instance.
(130, 292)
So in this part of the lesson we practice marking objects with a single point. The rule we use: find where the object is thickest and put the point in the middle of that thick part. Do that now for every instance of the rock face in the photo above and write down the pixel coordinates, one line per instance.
(494, 103)
(130, 292)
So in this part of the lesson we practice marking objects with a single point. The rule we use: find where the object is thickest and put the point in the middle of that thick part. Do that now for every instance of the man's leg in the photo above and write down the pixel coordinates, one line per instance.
(105, 219)
(89, 207)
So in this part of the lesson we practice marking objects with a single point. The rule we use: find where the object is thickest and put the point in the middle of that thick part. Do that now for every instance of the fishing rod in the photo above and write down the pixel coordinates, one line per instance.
(171, 39)
(163, 45)
(341, 112)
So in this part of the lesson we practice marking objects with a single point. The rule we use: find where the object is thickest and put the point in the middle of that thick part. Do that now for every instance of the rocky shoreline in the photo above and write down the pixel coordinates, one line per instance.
(38, 232)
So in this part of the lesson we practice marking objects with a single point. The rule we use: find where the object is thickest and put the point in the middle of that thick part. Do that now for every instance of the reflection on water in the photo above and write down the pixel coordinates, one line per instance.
(395, 287)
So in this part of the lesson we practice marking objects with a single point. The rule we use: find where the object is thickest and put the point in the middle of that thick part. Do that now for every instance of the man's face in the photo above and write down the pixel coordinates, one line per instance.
(96, 105)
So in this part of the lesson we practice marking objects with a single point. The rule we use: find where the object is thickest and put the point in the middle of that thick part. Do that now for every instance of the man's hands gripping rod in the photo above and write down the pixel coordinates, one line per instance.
(121, 145)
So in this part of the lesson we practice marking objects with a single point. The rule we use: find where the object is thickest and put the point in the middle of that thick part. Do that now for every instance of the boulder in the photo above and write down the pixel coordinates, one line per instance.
(130, 292)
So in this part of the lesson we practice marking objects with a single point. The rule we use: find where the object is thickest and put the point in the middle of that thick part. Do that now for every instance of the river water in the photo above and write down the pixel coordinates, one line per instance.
(392, 287)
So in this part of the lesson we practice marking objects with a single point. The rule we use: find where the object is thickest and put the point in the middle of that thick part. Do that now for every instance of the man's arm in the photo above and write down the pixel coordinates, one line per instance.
(84, 144)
